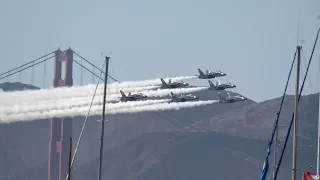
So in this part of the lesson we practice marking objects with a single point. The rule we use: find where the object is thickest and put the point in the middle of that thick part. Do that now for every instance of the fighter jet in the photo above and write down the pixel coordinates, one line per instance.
(230, 99)
(132, 97)
(210, 75)
(171, 85)
(219, 86)
(182, 98)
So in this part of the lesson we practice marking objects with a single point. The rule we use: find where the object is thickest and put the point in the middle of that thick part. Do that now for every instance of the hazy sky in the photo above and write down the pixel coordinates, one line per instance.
(252, 41)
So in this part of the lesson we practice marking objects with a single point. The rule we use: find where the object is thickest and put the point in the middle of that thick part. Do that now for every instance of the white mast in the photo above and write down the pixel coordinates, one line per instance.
(295, 121)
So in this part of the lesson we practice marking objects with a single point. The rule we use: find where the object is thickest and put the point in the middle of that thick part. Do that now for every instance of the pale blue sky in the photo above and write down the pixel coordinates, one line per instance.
(252, 41)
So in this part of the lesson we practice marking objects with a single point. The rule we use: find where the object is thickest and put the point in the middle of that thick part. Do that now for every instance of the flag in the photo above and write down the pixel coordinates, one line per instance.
(310, 176)
(265, 167)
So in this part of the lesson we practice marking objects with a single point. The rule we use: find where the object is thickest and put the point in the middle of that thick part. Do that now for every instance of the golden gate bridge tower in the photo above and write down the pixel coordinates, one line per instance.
(60, 128)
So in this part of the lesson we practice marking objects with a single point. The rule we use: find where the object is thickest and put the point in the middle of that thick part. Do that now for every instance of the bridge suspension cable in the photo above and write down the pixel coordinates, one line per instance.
(24, 68)
(88, 70)
(27, 64)
(100, 70)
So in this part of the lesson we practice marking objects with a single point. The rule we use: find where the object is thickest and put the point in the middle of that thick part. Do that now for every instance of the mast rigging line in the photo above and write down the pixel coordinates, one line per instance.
(94, 66)
(86, 118)
(27, 64)
(289, 129)
(25, 67)
(265, 172)
(85, 122)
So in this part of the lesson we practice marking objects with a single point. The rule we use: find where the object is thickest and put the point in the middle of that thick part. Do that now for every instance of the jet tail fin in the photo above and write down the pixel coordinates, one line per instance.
(221, 97)
(211, 84)
(163, 82)
(200, 72)
(122, 93)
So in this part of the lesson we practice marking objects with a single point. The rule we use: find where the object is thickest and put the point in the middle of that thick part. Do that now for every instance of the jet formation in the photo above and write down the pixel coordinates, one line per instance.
(189, 97)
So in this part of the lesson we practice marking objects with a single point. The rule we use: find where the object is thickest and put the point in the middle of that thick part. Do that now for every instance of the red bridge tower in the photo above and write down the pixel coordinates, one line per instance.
(61, 128)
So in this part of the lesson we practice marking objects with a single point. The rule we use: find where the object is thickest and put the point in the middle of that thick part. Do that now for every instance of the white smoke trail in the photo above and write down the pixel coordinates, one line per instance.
(85, 101)
(72, 104)
(80, 91)
(152, 82)
(33, 96)
(166, 92)
(161, 107)
(16, 103)
(97, 110)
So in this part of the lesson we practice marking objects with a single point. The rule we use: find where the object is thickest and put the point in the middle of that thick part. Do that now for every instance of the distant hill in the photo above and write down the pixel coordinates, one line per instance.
(16, 86)
(257, 120)
(30, 139)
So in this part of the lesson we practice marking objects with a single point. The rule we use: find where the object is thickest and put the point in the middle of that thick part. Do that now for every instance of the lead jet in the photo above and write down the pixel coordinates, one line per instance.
(210, 75)
(182, 98)
(132, 97)
(171, 85)
(219, 86)
(231, 99)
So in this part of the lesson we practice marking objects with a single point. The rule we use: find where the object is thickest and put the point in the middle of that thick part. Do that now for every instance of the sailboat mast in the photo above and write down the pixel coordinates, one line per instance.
(295, 121)
(103, 116)
(318, 148)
